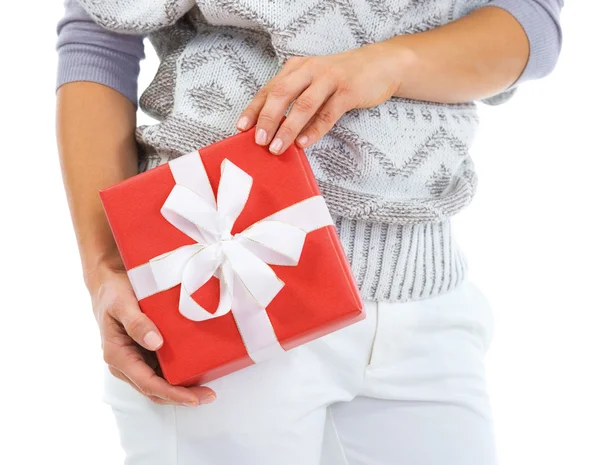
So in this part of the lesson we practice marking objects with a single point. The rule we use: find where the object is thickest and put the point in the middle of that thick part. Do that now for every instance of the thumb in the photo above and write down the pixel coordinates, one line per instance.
(138, 326)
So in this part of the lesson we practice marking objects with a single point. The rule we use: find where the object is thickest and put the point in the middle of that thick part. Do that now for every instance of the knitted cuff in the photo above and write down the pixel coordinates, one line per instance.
(540, 22)
(82, 62)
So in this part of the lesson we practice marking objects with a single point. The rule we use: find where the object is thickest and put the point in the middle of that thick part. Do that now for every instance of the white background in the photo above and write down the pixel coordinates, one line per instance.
(531, 235)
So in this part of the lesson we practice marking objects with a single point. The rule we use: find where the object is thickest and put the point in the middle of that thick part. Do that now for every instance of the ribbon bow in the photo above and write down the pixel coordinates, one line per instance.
(241, 261)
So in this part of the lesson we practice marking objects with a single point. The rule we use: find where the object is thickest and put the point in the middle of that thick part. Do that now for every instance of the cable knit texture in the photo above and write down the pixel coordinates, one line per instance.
(392, 175)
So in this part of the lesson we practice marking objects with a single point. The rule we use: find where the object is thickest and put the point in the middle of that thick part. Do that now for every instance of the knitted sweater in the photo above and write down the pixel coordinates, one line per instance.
(392, 175)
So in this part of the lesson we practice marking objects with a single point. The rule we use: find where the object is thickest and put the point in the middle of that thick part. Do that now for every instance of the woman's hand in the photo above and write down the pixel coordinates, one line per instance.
(129, 339)
(322, 88)
(95, 135)
(476, 56)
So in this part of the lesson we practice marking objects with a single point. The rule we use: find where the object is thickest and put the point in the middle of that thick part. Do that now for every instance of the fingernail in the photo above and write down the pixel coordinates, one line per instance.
(242, 123)
(261, 136)
(302, 140)
(208, 399)
(276, 145)
(152, 340)
(190, 404)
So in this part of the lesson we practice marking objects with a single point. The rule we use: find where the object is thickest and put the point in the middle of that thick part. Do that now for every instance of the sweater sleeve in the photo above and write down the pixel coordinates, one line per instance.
(88, 52)
(541, 21)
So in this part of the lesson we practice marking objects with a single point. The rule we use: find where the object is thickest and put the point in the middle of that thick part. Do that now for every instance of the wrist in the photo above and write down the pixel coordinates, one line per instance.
(406, 64)
(102, 269)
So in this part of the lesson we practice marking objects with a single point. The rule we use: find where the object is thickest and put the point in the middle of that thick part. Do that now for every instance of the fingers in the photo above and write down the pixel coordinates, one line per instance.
(205, 394)
(274, 105)
(138, 326)
(128, 361)
(320, 96)
(323, 120)
(303, 109)
(128, 340)
(150, 359)
(117, 374)
(249, 116)
(279, 99)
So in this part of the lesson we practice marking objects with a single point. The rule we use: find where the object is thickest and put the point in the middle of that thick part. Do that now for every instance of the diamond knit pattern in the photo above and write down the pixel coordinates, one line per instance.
(404, 163)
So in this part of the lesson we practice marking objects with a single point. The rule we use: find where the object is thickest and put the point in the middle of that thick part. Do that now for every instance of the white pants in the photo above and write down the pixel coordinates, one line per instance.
(404, 387)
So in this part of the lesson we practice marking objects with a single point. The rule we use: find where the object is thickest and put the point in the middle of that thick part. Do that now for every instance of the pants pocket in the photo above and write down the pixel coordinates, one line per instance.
(433, 350)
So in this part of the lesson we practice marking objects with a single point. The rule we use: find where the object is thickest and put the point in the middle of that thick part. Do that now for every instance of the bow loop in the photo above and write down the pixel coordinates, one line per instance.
(247, 284)
(258, 278)
(274, 242)
(232, 195)
(168, 267)
(197, 272)
(218, 253)
(192, 214)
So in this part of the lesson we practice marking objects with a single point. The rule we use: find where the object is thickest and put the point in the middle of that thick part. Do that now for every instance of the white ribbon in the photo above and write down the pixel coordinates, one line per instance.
(241, 262)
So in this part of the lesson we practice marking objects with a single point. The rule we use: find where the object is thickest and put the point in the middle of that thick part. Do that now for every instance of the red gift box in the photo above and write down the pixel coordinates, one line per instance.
(315, 296)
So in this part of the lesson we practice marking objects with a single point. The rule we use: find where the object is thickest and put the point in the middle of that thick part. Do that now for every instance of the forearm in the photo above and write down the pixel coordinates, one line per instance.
(96, 144)
(469, 59)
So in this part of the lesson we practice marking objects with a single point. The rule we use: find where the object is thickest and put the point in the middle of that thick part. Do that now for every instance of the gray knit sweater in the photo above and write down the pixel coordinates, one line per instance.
(392, 175)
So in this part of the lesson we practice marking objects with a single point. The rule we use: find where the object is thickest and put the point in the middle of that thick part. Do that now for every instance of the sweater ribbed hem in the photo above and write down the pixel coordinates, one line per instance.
(394, 262)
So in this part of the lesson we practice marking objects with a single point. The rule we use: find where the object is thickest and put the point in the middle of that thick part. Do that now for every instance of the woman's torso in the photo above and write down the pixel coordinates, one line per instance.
(401, 162)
